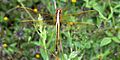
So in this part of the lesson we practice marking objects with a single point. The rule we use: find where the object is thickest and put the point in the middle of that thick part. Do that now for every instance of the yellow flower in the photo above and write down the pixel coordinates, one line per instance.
(74, 1)
(5, 45)
(71, 23)
(18, 6)
(37, 55)
(35, 10)
(5, 18)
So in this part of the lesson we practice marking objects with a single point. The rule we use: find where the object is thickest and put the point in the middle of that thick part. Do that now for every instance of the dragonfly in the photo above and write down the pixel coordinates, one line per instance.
(58, 20)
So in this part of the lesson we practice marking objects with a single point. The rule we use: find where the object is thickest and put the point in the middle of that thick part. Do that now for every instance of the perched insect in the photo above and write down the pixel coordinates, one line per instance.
(60, 19)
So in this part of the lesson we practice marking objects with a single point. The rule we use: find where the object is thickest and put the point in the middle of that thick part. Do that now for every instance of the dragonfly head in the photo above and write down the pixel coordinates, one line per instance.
(58, 14)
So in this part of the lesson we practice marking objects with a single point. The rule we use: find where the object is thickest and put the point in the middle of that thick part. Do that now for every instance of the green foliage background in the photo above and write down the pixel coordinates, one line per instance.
(24, 40)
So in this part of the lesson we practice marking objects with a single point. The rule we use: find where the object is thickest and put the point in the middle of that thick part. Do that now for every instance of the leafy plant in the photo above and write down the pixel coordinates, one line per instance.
(96, 39)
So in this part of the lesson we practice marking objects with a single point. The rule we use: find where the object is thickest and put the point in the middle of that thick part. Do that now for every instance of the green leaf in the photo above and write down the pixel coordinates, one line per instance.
(69, 38)
(106, 53)
(118, 36)
(100, 11)
(105, 41)
(117, 6)
(64, 0)
(35, 42)
(111, 9)
(13, 45)
(10, 50)
(88, 45)
(1, 18)
(108, 33)
(44, 54)
(65, 56)
(77, 44)
(115, 39)
(20, 0)
(7, 51)
(29, 38)
(73, 54)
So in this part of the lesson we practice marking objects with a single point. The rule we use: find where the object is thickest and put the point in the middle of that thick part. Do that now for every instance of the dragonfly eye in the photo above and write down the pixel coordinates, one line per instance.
(60, 10)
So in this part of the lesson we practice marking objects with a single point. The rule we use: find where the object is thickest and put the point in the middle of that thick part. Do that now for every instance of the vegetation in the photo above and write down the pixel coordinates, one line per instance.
(27, 34)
